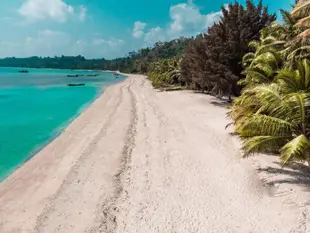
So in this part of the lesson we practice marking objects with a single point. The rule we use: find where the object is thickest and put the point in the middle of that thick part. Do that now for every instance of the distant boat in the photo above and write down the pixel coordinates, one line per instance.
(93, 75)
(23, 71)
(75, 75)
(75, 84)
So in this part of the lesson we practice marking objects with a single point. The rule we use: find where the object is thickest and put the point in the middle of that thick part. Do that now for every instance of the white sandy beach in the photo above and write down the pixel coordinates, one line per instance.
(144, 161)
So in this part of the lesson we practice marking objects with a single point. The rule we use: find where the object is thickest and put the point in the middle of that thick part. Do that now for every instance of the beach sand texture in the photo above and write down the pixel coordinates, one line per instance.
(139, 160)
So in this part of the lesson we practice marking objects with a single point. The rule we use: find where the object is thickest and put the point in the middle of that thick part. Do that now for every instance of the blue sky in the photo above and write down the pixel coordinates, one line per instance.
(102, 28)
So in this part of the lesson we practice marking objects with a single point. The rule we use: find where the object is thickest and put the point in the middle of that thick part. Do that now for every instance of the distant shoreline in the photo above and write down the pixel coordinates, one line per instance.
(38, 68)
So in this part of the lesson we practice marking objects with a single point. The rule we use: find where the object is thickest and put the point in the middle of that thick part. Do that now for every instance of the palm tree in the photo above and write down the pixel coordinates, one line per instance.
(174, 72)
(276, 117)
(260, 65)
(165, 72)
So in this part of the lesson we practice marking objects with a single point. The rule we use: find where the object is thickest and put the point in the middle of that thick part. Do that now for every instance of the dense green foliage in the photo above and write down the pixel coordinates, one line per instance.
(165, 72)
(135, 62)
(212, 60)
(273, 112)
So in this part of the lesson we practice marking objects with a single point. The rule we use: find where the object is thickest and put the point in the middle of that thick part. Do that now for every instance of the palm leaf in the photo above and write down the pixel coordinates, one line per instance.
(269, 94)
(294, 53)
(306, 66)
(304, 22)
(247, 58)
(262, 144)
(256, 75)
(287, 80)
(287, 18)
(304, 34)
(301, 9)
(297, 149)
(298, 102)
(266, 47)
(254, 44)
(266, 126)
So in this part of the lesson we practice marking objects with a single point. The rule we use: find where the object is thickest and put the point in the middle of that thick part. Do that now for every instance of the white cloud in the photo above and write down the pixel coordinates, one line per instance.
(47, 43)
(110, 42)
(155, 34)
(138, 29)
(186, 20)
(56, 10)
(51, 33)
(98, 41)
(83, 12)
(115, 42)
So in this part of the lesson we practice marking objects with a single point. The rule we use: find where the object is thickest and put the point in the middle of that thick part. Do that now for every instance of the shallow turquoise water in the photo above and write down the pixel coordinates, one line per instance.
(36, 106)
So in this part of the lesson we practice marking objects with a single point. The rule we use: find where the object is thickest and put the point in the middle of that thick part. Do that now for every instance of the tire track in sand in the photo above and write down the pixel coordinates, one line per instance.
(110, 209)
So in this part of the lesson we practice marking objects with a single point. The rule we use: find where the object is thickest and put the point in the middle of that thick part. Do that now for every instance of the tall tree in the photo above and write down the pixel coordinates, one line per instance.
(223, 47)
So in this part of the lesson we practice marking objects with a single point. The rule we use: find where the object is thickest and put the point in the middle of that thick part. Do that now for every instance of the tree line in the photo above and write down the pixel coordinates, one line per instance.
(134, 62)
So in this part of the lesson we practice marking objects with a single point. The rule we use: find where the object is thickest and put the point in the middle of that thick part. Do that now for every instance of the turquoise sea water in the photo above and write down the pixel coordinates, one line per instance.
(36, 106)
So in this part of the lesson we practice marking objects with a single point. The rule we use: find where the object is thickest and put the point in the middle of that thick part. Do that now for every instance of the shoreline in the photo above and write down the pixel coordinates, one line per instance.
(28, 171)
(60, 129)
(139, 160)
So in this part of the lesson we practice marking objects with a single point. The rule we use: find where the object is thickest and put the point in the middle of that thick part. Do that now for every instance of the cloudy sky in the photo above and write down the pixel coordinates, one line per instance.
(102, 28)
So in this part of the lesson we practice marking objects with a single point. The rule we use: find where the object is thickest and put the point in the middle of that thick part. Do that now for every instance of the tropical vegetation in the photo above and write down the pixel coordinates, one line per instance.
(166, 73)
(264, 64)
(212, 61)
(273, 112)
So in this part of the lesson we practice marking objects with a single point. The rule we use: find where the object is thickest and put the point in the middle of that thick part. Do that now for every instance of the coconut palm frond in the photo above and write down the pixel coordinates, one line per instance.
(294, 54)
(266, 126)
(254, 44)
(297, 149)
(255, 75)
(266, 47)
(262, 144)
(299, 103)
(287, 80)
(287, 18)
(304, 22)
(304, 34)
(269, 93)
(301, 9)
(247, 59)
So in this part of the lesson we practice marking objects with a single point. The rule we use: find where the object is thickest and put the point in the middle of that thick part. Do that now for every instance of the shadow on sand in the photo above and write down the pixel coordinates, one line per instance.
(296, 173)
(216, 101)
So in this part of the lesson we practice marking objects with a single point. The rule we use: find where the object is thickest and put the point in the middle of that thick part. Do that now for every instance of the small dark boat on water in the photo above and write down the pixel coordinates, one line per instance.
(23, 71)
(75, 84)
(93, 75)
(74, 75)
